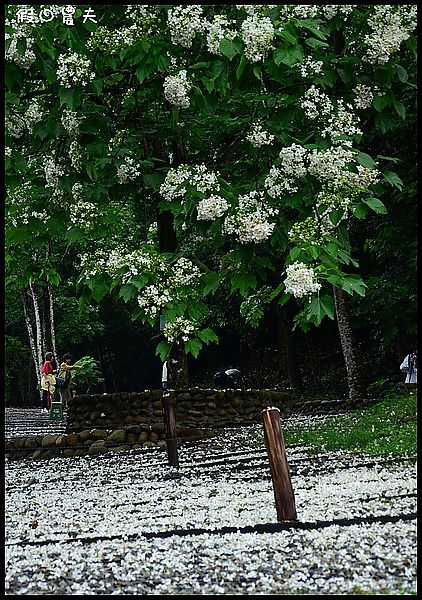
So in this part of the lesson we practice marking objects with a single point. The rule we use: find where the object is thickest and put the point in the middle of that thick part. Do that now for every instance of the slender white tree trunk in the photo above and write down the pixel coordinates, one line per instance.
(32, 344)
(38, 329)
(52, 326)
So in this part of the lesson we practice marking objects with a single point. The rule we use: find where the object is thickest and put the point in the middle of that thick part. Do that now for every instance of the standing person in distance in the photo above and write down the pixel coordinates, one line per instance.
(409, 366)
(47, 381)
(65, 372)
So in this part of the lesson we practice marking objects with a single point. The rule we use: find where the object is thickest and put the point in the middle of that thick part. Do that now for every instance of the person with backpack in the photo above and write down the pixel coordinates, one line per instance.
(48, 381)
(65, 373)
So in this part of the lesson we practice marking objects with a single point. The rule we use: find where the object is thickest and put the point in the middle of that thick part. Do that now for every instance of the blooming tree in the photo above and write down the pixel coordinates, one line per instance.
(247, 125)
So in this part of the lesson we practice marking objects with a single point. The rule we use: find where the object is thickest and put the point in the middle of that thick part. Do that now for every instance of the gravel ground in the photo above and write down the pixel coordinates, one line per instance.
(129, 524)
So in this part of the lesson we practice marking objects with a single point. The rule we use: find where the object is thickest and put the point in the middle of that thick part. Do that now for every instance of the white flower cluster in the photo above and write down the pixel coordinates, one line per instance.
(259, 137)
(309, 67)
(250, 222)
(338, 121)
(110, 262)
(330, 164)
(153, 299)
(53, 171)
(25, 60)
(184, 22)
(83, 214)
(211, 208)
(364, 96)
(255, 9)
(218, 29)
(315, 103)
(127, 171)
(71, 122)
(77, 156)
(257, 34)
(328, 11)
(342, 122)
(299, 11)
(19, 205)
(117, 140)
(17, 124)
(176, 89)
(144, 21)
(74, 69)
(282, 179)
(184, 273)
(77, 191)
(391, 26)
(179, 328)
(198, 176)
(34, 114)
(301, 280)
(8, 151)
(363, 178)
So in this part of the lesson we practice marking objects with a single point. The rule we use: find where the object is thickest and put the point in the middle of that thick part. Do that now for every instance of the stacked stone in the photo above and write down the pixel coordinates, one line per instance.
(99, 424)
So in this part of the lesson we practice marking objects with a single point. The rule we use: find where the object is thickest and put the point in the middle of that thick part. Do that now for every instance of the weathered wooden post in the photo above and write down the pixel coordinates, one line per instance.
(280, 472)
(170, 425)
(169, 417)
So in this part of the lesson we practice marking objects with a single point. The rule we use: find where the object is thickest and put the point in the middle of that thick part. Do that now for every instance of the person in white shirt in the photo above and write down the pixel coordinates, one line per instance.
(410, 367)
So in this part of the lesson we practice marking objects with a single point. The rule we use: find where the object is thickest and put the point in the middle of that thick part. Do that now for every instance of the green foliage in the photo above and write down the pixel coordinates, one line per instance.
(388, 427)
(123, 115)
(89, 373)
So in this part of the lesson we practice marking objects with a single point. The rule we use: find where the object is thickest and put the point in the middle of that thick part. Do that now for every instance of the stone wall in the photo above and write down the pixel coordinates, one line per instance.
(100, 424)
(194, 406)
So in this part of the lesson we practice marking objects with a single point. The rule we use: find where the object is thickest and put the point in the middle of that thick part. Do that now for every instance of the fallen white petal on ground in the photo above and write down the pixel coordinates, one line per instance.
(57, 509)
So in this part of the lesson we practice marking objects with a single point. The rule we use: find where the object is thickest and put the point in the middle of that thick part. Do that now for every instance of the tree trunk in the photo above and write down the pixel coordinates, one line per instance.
(349, 348)
(51, 321)
(32, 343)
(38, 329)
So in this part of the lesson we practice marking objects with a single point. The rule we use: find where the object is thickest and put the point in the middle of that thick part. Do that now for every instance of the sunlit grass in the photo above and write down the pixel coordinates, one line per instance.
(388, 427)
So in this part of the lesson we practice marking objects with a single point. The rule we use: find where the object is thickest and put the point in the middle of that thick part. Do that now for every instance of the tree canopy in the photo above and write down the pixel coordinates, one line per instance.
(176, 151)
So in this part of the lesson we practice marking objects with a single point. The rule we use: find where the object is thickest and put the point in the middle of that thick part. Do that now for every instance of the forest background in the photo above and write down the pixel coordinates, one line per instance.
(175, 160)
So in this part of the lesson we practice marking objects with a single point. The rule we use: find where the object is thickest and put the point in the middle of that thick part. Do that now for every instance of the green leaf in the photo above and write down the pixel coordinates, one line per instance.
(228, 48)
(365, 160)
(314, 43)
(207, 335)
(400, 109)
(380, 102)
(284, 298)
(376, 205)
(360, 210)
(243, 282)
(211, 281)
(97, 86)
(70, 97)
(193, 347)
(354, 283)
(393, 179)
(402, 73)
(127, 292)
(163, 350)
(242, 64)
(288, 56)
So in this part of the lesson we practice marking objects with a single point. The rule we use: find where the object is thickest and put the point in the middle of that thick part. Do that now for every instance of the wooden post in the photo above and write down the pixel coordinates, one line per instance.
(170, 425)
(280, 472)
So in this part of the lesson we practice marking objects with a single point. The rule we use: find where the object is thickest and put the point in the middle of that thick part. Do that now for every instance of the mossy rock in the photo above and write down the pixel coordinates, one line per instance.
(119, 435)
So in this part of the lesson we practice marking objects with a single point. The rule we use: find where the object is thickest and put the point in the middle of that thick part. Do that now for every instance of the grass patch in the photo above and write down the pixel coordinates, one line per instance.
(388, 427)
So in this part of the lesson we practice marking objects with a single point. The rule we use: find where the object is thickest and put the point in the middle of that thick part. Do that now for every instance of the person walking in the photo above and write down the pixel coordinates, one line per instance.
(48, 381)
(65, 371)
